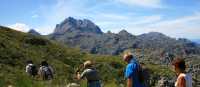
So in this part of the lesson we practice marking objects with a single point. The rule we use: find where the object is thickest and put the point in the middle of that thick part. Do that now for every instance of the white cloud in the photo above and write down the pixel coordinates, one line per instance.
(35, 16)
(62, 9)
(142, 3)
(184, 27)
(112, 16)
(20, 27)
(54, 14)
(115, 25)
(45, 30)
(146, 20)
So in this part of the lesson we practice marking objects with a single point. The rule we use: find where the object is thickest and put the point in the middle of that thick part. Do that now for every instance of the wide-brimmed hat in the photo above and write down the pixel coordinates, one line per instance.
(127, 56)
(87, 63)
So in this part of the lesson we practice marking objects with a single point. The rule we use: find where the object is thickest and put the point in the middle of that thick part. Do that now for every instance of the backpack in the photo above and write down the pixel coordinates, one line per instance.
(46, 73)
(32, 70)
(141, 74)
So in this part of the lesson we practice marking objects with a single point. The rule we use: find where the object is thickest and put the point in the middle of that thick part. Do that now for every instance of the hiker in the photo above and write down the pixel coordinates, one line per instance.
(91, 74)
(31, 68)
(45, 71)
(183, 79)
(133, 72)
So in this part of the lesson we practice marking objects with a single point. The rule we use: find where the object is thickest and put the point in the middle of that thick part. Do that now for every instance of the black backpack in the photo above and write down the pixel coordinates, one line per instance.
(47, 73)
(32, 70)
(141, 74)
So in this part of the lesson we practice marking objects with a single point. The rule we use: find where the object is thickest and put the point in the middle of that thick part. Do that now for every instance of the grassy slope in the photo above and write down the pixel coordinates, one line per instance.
(17, 47)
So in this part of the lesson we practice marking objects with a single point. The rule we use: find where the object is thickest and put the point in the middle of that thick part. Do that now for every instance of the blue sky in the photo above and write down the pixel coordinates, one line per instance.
(175, 18)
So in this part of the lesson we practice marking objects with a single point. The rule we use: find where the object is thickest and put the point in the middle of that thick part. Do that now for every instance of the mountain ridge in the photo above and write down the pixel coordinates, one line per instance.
(114, 43)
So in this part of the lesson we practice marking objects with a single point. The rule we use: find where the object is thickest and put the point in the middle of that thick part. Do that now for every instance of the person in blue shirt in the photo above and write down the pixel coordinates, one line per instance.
(131, 72)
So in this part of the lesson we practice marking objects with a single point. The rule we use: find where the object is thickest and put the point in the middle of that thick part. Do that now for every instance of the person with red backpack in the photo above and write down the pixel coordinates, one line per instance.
(133, 72)
(45, 71)
(31, 68)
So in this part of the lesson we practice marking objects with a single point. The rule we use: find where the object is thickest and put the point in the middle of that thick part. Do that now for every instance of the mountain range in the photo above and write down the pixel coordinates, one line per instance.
(87, 36)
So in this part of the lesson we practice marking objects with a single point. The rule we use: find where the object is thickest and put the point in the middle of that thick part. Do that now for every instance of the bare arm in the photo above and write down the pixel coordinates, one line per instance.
(182, 82)
(78, 76)
(129, 82)
(81, 75)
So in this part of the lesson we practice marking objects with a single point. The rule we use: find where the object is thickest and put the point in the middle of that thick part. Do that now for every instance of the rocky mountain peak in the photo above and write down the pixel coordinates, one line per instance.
(71, 24)
(123, 32)
(153, 35)
(33, 32)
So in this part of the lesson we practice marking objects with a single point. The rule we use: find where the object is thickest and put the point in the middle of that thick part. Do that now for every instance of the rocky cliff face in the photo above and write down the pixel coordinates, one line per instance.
(72, 25)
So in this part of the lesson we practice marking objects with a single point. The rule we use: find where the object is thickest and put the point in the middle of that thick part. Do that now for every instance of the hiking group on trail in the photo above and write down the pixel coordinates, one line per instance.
(134, 72)
(45, 72)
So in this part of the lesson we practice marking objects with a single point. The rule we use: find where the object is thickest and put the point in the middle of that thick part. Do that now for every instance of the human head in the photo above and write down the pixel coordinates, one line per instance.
(44, 63)
(179, 65)
(127, 57)
(87, 64)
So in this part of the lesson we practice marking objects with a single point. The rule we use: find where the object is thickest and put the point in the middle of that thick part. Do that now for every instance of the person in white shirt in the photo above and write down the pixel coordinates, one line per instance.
(31, 68)
(184, 79)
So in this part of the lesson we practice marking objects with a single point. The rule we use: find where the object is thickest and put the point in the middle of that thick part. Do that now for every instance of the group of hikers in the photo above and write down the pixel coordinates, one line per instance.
(133, 72)
(45, 71)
